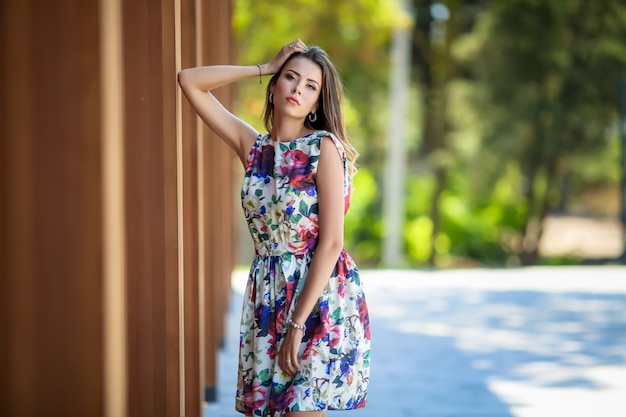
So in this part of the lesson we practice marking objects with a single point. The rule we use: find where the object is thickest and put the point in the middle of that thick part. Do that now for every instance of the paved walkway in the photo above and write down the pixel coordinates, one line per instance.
(532, 342)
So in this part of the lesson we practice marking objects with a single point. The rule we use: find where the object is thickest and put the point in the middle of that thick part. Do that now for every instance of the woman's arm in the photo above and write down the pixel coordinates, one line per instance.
(197, 84)
(330, 192)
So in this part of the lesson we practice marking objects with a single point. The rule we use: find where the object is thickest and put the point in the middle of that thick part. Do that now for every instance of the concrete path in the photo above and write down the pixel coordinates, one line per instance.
(532, 342)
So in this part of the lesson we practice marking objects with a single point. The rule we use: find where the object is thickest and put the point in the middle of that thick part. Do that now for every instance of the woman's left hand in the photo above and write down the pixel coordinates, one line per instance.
(285, 52)
(288, 353)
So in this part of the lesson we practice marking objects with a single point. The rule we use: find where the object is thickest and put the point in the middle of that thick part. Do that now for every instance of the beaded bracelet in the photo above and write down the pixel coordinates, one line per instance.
(296, 325)
(259, 67)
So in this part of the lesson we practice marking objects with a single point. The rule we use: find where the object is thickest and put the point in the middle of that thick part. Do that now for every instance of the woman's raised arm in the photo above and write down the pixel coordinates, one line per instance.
(197, 84)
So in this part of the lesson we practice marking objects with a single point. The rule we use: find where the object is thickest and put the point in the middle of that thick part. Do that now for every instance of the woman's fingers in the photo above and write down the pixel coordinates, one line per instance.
(288, 354)
(294, 362)
(291, 367)
(285, 52)
(288, 365)
(297, 46)
(293, 47)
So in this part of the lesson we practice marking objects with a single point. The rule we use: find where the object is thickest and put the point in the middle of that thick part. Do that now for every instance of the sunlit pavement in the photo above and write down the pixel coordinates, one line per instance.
(531, 342)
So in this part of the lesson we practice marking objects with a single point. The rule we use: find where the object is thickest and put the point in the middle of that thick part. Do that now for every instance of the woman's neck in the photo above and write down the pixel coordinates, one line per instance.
(288, 130)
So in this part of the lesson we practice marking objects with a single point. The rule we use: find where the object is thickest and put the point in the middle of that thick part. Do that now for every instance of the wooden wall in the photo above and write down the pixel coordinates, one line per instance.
(116, 214)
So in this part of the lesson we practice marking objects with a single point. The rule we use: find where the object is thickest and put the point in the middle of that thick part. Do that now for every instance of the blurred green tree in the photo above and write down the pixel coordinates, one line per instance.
(514, 105)
(438, 24)
(546, 75)
(356, 35)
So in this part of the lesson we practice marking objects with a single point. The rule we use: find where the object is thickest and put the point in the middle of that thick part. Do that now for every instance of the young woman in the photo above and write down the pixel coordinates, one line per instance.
(305, 339)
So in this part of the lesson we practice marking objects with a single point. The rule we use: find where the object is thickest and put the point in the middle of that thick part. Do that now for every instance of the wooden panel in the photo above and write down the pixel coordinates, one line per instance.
(206, 170)
(216, 48)
(113, 224)
(224, 160)
(211, 287)
(173, 310)
(151, 204)
(57, 198)
(189, 160)
(51, 224)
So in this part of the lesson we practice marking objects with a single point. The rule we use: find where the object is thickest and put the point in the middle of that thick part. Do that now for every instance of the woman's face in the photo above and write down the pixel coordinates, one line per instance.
(297, 89)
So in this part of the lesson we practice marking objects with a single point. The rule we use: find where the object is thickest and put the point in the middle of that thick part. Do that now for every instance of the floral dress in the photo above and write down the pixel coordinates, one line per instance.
(279, 198)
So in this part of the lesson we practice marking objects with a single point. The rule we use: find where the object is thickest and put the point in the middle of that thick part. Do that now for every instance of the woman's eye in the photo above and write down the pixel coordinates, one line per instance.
(311, 86)
(290, 77)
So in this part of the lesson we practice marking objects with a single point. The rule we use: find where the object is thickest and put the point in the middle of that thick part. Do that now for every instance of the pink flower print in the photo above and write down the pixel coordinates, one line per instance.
(280, 319)
(321, 333)
(341, 287)
(298, 159)
(365, 319)
(290, 288)
(321, 329)
(257, 397)
(308, 235)
(303, 182)
(334, 336)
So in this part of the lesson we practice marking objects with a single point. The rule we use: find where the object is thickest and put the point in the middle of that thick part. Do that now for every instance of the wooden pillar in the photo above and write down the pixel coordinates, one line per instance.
(50, 229)
(110, 294)
(216, 47)
(113, 210)
(153, 304)
(188, 177)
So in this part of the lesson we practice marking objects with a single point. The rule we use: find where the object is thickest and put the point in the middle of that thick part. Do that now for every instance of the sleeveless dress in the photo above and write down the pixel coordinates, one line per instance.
(279, 199)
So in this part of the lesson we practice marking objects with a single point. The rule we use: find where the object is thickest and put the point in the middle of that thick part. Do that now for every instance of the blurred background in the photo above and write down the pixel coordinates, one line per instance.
(512, 145)
(488, 214)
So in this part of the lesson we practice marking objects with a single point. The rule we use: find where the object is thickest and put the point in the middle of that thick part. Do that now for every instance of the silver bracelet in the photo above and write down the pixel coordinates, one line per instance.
(259, 67)
(296, 325)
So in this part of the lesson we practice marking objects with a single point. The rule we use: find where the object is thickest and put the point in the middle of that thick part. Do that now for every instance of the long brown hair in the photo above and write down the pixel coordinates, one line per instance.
(329, 112)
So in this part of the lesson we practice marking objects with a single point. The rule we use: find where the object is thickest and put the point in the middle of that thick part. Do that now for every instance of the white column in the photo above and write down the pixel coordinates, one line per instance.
(393, 203)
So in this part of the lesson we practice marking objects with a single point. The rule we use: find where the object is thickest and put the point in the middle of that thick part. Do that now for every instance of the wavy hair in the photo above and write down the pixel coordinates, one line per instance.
(329, 111)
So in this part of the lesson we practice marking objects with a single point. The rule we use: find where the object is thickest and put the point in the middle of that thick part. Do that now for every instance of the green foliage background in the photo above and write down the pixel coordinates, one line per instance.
(513, 114)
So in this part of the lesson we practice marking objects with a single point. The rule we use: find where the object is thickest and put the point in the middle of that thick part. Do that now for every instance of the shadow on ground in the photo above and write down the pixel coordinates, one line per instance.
(449, 351)
(469, 351)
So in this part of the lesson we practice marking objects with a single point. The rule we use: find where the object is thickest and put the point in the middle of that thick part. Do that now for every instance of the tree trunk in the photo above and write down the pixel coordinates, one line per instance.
(533, 230)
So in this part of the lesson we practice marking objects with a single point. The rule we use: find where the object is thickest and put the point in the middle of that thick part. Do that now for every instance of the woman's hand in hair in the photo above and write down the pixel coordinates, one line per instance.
(285, 52)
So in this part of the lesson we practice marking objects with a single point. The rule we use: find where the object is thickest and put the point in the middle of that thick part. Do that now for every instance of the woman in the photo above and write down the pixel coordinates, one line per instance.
(304, 344)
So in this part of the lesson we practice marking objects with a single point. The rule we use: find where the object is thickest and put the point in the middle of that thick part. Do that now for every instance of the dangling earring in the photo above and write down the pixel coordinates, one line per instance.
(271, 98)
(312, 117)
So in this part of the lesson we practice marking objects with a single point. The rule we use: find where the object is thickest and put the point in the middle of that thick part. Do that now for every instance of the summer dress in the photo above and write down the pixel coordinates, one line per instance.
(279, 198)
